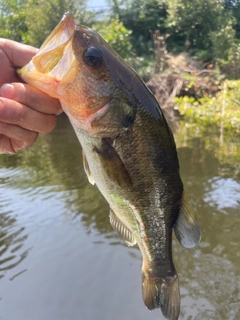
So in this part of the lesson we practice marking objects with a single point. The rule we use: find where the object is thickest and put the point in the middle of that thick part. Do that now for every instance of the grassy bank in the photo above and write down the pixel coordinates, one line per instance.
(221, 110)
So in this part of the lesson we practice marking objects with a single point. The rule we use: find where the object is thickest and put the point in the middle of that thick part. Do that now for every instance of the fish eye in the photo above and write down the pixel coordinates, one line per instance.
(93, 57)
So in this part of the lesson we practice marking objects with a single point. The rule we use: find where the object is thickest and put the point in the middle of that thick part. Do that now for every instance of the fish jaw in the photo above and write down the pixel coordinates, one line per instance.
(55, 63)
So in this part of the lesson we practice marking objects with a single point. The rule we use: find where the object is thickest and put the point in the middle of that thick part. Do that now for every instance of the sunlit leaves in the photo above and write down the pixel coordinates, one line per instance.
(222, 110)
(116, 35)
(32, 21)
(141, 17)
(12, 20)
(203, 25)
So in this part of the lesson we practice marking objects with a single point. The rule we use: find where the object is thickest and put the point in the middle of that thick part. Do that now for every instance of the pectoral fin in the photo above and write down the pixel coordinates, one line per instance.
(121, 229)
(113, 166)
(87, 169)
(186, 228)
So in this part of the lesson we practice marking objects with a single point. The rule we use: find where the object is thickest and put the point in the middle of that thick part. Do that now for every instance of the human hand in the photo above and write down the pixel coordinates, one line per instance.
(25, 112)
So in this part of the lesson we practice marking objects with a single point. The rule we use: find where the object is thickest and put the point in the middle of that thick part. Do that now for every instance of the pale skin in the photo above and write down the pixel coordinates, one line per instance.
(25, 112)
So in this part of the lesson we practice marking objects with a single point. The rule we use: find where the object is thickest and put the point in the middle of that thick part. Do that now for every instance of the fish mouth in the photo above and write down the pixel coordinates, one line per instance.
(54, 59)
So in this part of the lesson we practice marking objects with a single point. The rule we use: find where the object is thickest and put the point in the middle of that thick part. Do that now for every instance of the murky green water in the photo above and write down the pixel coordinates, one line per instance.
(60, 259)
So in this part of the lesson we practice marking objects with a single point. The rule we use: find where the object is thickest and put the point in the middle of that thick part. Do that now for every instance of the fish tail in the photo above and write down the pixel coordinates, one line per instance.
(162, 293)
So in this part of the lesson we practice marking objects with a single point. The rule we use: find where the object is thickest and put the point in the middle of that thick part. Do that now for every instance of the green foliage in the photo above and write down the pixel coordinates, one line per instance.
(141, 17)
(221, 111)
(12, 20)
(202, 25)
(116, 35)
(231, 66)
(208, 29)
(32, 21)
(234, 7)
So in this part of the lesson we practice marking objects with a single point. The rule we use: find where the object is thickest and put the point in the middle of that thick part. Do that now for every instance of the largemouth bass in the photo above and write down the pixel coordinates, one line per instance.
(128, 150)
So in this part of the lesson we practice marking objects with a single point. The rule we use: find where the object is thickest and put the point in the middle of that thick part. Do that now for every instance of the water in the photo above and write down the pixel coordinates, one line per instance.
(60, 258)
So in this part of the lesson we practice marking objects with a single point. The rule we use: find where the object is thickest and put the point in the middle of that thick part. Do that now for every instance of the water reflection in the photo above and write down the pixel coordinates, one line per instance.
(211, 173)
(11, 244)
(214, 292)
(47, 204)
(12, 238)
(224, 193)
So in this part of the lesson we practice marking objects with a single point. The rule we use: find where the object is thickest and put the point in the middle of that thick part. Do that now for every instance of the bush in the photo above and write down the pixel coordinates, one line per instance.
(222, 110)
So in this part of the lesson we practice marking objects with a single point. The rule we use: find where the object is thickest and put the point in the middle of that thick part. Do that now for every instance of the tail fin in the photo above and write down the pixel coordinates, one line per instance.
(162, 293)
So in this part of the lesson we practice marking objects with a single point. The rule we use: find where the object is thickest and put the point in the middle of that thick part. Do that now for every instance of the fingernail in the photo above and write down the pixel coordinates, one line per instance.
(7, 90)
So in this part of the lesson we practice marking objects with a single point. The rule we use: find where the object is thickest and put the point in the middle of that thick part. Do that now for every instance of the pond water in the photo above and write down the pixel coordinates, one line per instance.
(60, 258)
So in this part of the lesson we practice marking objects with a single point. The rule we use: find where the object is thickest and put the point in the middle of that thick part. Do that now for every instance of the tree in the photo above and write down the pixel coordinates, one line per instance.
(202, 25)
(234, 7)
(141, 17)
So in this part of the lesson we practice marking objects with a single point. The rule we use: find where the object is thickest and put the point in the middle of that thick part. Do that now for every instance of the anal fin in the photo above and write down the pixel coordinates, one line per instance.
(87, 169)
(186, 228)
(121, 229)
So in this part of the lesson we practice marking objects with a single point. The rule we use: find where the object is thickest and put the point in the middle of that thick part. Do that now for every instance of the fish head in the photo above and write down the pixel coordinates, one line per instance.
(74, 65)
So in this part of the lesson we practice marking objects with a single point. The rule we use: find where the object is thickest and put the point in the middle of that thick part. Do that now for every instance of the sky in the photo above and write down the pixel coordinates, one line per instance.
(97, 4)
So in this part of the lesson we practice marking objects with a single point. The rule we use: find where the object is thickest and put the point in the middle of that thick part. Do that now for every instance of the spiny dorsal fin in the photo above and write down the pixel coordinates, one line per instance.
(121, 229)
(186, 228)
(87, 169)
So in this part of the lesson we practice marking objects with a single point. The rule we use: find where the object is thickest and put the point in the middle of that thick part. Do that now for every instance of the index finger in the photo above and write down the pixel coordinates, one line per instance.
(17, 53)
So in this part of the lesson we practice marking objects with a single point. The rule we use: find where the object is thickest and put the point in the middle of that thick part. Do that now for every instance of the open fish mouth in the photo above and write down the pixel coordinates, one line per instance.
(54, 59)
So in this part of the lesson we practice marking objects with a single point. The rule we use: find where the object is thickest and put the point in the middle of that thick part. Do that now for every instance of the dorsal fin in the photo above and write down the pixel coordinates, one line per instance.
(121, 229)
(87, 169)
(186, 228)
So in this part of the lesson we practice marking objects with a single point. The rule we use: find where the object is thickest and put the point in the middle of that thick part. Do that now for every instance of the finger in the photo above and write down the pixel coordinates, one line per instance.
(5, 145)
(8, 73)
(9, 146)
(13, 112)
(13, 55)
(17, 53)
(14, 138)
(31, 97)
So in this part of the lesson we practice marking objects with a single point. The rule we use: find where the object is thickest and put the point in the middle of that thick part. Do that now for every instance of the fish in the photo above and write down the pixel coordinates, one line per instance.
(128, 150)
